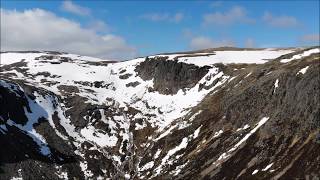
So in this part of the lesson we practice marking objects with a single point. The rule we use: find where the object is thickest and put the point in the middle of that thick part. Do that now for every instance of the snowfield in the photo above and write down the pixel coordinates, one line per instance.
(228, 57)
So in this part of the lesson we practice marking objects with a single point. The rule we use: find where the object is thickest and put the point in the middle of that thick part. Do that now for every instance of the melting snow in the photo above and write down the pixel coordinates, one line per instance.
(255, 172)
(127, 176)
(84, 168)
(244, 128)
(303, 70)
(276, 85)
(196, 132)
(38, 110)
(179, 168)
(248, 75)
(226, 155)
(3, 128)
(195, 115)
(19, 177)
(157, 154)
(216, 134)
(147, 166)
(260, 123)
(267, 167)
(304, 54)
(101, 139)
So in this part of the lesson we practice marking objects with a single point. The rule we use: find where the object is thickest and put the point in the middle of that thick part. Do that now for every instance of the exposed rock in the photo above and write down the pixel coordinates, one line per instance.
(170, 76)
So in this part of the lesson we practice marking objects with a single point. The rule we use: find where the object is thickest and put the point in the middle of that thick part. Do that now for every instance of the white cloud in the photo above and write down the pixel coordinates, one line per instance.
(71, 7)
(237, 14)
(249, 43)
(202, 42)
(37, 29)
(311, 38)
(157, 17)
(280, 21)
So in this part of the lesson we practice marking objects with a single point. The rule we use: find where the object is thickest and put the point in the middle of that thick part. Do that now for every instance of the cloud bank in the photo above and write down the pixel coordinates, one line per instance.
(37, 29)
(236, 14)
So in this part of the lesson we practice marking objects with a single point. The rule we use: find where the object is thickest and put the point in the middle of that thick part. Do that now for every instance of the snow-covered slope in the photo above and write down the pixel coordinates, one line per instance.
(227, 57)
(147, 117)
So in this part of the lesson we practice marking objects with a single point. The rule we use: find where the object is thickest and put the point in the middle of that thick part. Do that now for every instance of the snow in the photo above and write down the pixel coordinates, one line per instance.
(216, 134)
(3, 128)
(276, 85)
(260, 123)
(19, 177)
(303, 70)
(227, 57)
(38, 111)
(179, 168)
(61, 174)
(14, 57)
(299, 56)
(16, 178)
(195, 115)
(248, 75)
(100, 139)
(183, 144)
(127, 176)
(157, 154)
(171, 106)
(84, 169)
(12, 87)
(10, 58)
(171, 152)
(165, 133)
(228, 153)
(267, 167)
(83, 58)
(196, 132)
(223, 156)
(147, 166)
(244, 128)
(255, 172)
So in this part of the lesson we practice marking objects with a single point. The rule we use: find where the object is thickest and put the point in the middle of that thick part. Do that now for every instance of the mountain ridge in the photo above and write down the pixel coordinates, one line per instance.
(163, 117)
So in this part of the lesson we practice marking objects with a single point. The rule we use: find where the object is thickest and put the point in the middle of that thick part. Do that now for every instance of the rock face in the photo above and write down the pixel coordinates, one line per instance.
(130, 120)
(170, 76)
(22, 146)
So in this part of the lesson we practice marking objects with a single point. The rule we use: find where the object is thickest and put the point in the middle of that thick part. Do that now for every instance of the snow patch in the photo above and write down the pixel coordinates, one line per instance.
(243, 128)
(276, 85)
(227, 57)
(255, 172)
(147, 166)
(303, 70)
(267, 167)
(299, 56)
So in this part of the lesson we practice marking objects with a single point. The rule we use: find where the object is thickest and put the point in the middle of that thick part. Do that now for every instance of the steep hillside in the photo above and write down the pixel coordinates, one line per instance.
(213, 114)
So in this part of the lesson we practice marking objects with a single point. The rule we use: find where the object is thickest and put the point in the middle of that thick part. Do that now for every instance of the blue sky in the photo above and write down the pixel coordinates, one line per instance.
(136, 28)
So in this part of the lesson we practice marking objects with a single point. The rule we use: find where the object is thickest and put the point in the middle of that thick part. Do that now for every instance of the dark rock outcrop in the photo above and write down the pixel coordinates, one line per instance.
(170, 76)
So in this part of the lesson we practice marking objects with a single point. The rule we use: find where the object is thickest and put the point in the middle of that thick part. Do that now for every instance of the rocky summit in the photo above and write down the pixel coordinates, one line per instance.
(224, 113)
